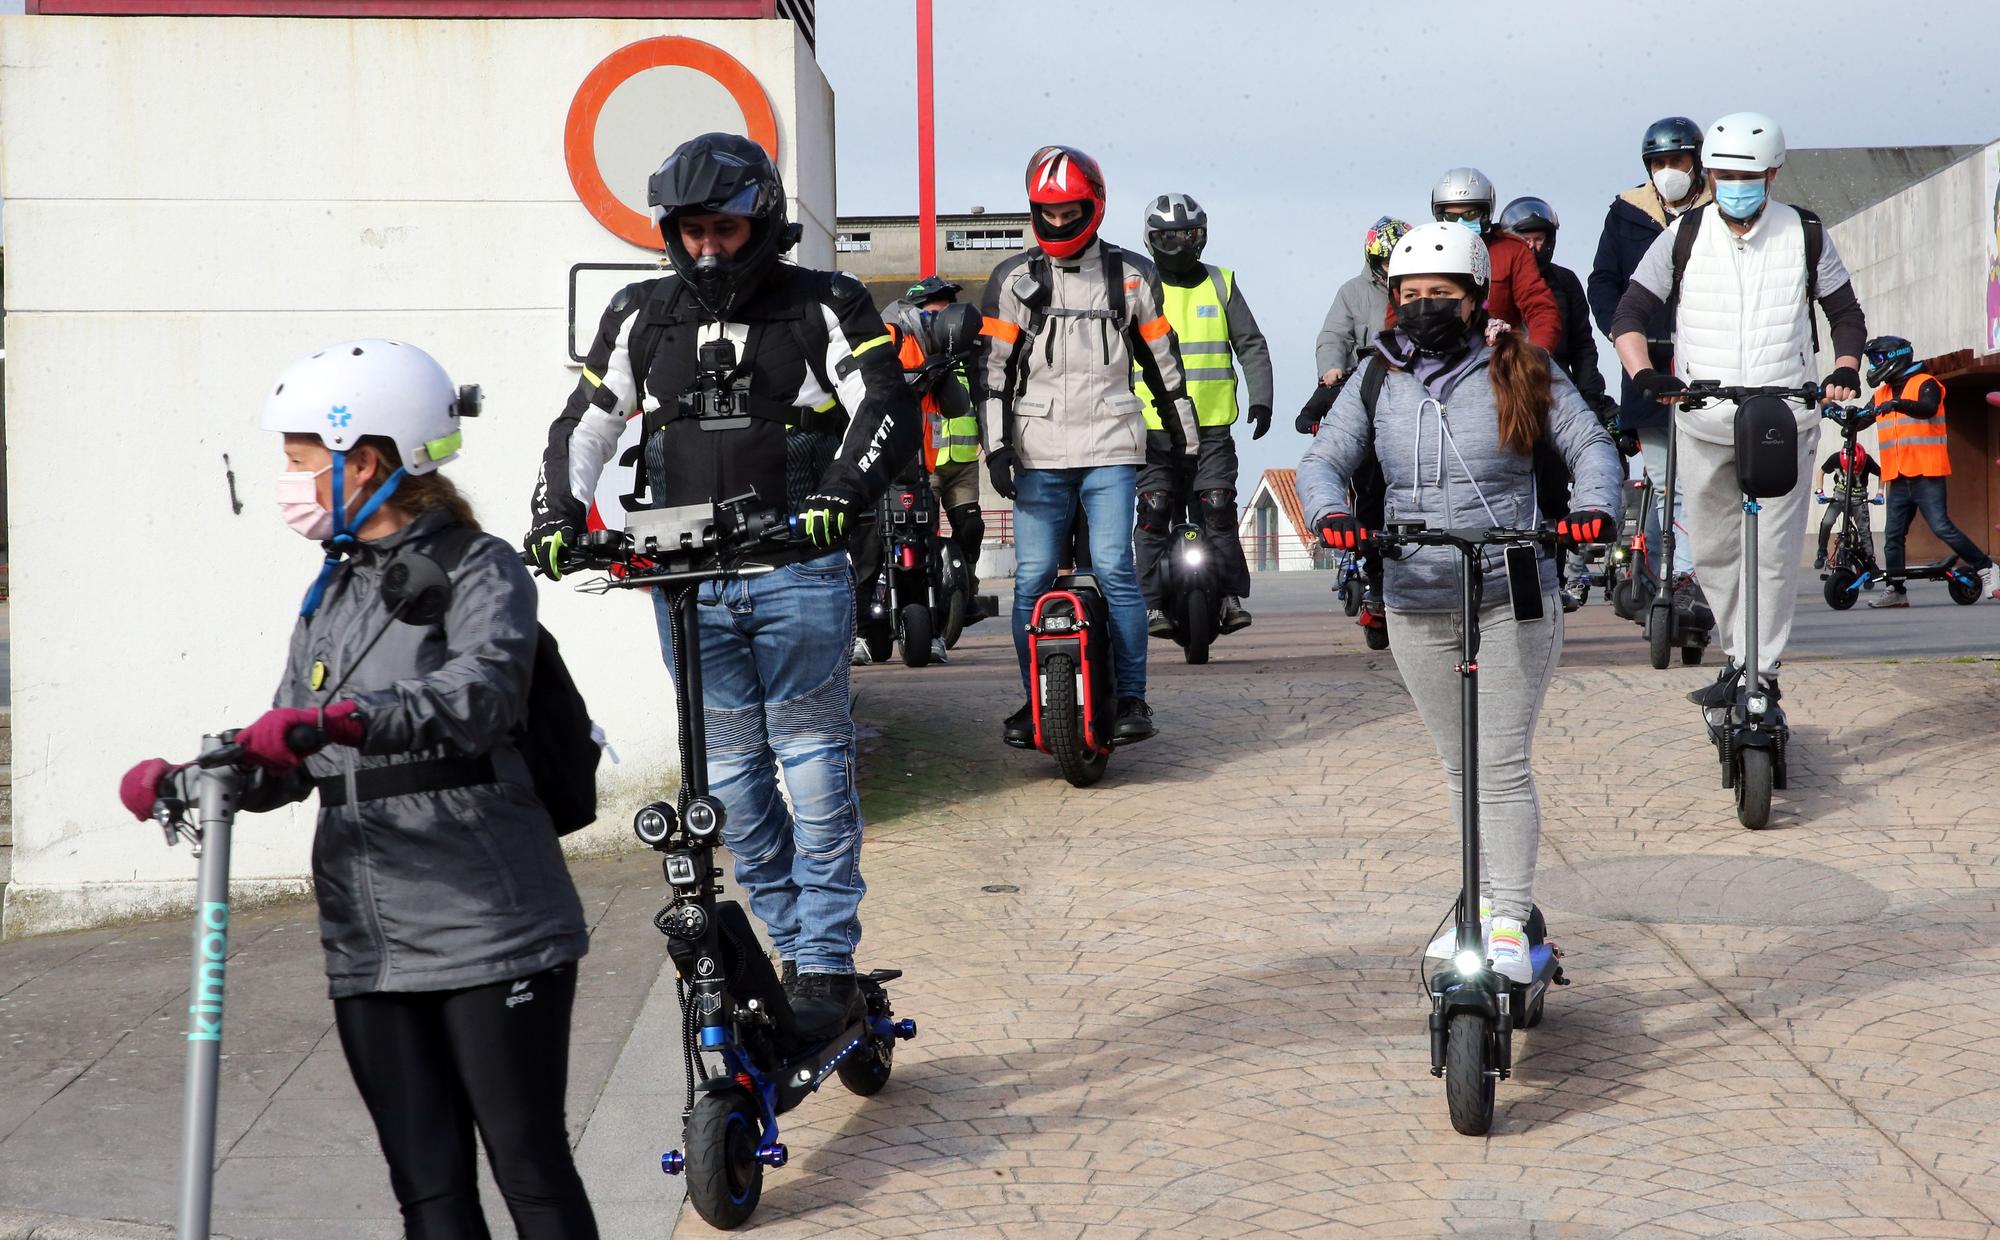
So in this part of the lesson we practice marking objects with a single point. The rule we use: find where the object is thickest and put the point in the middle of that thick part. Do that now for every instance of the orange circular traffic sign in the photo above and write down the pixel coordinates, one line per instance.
(580, 130)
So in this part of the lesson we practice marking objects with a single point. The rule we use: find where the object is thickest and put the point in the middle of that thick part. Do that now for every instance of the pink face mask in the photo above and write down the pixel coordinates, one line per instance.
(298, 500)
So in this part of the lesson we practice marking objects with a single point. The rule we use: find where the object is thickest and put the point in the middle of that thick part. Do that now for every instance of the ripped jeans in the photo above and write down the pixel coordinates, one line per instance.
(774, 654)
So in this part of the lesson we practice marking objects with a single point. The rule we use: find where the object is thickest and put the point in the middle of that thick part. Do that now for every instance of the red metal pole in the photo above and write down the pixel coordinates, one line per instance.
(926, 148)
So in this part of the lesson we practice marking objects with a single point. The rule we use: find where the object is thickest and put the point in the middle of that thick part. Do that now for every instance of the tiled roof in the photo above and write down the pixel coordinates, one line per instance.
(1284, 484)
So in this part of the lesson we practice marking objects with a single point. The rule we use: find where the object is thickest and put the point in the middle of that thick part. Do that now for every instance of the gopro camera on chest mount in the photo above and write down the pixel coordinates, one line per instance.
(720, 399)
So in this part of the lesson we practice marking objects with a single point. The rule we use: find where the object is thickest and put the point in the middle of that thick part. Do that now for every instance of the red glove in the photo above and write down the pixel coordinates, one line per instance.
(266, 743)
(1582, 528)
(1342, 532)
(141, 786)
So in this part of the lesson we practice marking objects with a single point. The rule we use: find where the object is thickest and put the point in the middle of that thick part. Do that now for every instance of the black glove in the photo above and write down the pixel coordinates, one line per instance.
(1001, 466)
(1627, 443)
(553, 536)
(1653, 384)
(1260, 417)
(825, 518)
(1342, 532)
(1315, 410)
(1307, 423)
(1843, 377)
(1585, 527)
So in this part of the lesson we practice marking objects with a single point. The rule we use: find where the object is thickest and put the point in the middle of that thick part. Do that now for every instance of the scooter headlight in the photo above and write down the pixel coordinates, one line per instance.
(653, 823)
(1058, 624)
(1468, 963)
(1192, 556)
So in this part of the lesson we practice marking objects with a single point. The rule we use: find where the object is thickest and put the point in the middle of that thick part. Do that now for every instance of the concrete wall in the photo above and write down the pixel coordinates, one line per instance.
(193, 203)
(1919, 262)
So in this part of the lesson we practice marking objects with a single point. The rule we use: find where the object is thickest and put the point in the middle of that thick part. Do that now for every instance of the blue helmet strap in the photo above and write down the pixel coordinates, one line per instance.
(344, 529)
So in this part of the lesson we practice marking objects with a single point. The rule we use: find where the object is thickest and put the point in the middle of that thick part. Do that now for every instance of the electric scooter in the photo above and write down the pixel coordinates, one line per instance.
(1474, 1009)
(1349, 583)
(1851, 567)
(1669, 621)
(922, 590)
(1750, 733)
(733, 1007)
(1628, 579)
(417, 591)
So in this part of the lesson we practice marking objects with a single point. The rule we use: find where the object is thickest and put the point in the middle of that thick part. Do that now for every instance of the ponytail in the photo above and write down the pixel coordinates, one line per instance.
(1521, 391)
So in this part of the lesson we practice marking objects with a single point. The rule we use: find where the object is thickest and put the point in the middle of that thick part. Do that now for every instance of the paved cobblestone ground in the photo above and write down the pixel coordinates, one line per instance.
(1190, 1008)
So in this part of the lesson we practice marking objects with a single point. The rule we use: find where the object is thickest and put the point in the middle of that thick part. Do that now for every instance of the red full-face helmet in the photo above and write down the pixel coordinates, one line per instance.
(1058, 175)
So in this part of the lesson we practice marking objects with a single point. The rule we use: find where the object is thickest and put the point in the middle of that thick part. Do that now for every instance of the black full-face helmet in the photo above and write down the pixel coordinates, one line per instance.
(727, 174)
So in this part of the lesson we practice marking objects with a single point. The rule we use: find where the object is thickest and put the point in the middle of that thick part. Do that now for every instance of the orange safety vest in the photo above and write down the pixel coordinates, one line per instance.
(1911, 447)
(911, 354)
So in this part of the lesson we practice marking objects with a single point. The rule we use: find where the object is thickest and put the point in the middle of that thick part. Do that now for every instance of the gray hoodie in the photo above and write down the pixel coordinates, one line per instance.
(1444, 466)
(1358, 312)
(446, 889)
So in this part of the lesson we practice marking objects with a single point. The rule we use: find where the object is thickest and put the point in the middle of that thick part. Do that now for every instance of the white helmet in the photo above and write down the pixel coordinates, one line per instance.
(1744, 142)
(348, 391)
(1441, 249)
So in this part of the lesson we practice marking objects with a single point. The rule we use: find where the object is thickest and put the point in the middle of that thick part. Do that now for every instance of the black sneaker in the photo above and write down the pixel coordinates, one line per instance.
(823, 1004)
(1135, 721)
(1157, 623)
(1691, 601)
(1234, 615)
(1819, 560)
(1722, 692)
(788, 973)
(1019, 730)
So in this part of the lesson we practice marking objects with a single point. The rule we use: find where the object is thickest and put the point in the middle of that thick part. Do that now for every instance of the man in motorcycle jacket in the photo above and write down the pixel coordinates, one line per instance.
(829, 418)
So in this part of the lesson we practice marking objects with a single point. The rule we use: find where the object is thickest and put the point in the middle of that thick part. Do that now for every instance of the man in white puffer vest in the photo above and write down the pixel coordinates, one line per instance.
(1744, 317)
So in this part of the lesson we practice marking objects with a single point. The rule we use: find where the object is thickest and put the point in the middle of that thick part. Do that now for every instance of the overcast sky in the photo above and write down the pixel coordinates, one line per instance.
(1296, 124)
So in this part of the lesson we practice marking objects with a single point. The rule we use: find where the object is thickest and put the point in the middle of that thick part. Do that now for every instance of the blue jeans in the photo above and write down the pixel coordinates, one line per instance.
(1043, 511)
(1906, 498)
(774, 693)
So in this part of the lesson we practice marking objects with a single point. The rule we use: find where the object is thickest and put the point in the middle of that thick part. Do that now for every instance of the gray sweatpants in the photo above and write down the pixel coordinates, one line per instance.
(1516, 663)
(1715, 526)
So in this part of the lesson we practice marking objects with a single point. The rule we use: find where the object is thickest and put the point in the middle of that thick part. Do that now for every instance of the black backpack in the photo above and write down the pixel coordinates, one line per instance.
(555, 737)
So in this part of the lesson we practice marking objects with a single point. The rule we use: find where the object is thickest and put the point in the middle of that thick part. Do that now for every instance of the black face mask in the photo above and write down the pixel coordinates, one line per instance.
(1433, 324)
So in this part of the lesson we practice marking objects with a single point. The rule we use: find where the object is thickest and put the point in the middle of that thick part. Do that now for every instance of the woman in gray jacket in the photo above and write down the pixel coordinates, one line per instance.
(450, 924)
(1457, 424)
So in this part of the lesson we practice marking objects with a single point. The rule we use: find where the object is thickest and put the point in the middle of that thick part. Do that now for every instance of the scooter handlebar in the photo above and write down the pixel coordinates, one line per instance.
(1415, 534)
(1702, 391)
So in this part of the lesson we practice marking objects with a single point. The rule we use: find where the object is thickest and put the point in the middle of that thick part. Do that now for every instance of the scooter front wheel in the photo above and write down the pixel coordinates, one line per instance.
(1468, 1086)
(1659, 636)
(1753, 787)
(1964, 590)
(1350, 597)
(725, 1179)
(1062, 724)
(1839, 590)
(916, 635)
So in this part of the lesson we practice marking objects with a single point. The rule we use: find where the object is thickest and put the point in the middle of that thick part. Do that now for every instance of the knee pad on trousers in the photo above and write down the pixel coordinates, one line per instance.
(1155, 511)
(1218, 510)
(968, 527)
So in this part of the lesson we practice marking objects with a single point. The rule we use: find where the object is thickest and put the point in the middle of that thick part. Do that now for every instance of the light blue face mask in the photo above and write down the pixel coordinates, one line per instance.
(1740, 200)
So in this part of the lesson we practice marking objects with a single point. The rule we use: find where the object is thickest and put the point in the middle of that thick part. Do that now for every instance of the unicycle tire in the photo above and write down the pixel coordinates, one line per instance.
(1691, 656)
(1963, 592)
(1376, 636)
(916, 635)
(1468, 1088)
(1659, 636)
(1062, 725)
(1198, 626)
(1753, 787)
(1839, 589)
(867, 1070)
(724, 1177)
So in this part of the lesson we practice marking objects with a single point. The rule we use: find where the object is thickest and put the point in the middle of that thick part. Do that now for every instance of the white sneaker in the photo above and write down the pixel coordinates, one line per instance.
(1445, 945)
(1507, 948)
(1989, 581)
(859, 656)
(937, 651)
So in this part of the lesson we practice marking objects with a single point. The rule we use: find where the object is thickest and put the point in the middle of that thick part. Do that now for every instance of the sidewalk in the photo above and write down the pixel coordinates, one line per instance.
(1182, 1003)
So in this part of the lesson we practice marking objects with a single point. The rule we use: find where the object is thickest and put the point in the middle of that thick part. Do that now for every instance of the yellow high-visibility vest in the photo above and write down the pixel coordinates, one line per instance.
(1200, 316)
